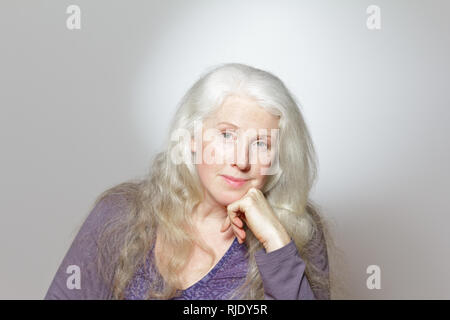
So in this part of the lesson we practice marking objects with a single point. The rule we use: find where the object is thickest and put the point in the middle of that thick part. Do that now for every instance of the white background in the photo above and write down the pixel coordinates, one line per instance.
(83, 110)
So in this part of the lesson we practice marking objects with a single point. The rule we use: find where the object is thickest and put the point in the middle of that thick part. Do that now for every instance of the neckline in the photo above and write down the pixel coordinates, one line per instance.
(214, 269)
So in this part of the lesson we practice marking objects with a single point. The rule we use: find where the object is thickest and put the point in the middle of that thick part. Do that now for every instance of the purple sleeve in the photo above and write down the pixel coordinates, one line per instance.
(283, 273)
(82, 257)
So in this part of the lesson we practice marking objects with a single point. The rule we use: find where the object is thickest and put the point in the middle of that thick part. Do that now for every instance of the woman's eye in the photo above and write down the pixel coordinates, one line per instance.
(226, 135)
(261, 143)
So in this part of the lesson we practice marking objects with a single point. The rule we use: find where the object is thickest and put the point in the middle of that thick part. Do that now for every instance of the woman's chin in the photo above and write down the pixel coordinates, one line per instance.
(225, 201)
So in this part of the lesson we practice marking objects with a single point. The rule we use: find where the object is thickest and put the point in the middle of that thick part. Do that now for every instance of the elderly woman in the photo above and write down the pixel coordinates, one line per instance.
(224, 212)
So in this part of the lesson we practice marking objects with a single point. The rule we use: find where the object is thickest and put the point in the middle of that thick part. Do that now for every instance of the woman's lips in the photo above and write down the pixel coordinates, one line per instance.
(233, 181)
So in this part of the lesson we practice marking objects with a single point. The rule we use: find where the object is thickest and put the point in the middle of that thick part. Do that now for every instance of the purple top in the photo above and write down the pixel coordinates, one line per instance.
(282, 271)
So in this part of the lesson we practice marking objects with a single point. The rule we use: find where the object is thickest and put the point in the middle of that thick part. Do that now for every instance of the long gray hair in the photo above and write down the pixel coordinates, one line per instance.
(164, 200)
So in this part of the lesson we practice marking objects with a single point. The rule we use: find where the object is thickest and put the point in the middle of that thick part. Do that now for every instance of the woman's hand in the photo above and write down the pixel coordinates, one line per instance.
(256, 212)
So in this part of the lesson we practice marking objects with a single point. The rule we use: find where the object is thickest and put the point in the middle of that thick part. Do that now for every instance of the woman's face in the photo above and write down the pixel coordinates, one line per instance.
(234, 137)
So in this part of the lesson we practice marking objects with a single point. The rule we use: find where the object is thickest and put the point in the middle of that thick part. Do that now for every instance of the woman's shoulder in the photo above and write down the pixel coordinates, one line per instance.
(105, 210)
(112, 204)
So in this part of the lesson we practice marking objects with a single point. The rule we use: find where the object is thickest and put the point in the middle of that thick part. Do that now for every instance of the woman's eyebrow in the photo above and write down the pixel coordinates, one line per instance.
(228, 123)
(259, 135)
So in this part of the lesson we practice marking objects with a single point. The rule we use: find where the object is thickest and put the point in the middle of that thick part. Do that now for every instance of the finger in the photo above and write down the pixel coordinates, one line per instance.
(242, 217)
(235, 207)
(238, 222)
(240, 240)
(240, 233)
(232, 215)
(226, 224)
(234, 219)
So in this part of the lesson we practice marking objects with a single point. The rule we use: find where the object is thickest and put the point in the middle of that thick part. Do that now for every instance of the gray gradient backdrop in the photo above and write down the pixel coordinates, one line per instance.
(83, 110)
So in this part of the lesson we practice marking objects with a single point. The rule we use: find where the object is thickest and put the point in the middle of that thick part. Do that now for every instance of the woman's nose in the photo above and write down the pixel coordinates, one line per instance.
(242, 156)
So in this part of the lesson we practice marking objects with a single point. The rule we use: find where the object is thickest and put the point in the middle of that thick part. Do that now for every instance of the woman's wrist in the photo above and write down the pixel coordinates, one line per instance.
(278, 240)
